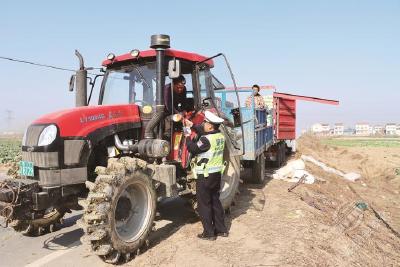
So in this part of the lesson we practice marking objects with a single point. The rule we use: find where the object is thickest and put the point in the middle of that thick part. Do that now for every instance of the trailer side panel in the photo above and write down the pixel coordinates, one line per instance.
(285, 118)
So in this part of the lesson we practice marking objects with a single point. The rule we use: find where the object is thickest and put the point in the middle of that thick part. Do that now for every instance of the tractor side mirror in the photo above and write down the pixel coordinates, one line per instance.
(71, 83)
(174, 68)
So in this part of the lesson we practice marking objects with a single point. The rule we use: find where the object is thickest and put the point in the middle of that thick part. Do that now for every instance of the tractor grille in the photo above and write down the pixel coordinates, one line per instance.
(41, 159)
(32, 134)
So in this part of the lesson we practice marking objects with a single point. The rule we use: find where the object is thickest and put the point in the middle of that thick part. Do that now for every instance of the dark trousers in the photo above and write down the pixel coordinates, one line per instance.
(209, 206)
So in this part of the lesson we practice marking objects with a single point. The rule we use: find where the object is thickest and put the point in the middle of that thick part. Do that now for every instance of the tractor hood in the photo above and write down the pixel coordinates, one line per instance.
(82, 121)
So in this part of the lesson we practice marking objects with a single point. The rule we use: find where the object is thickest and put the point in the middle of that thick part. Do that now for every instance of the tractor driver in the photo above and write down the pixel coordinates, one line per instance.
(209, 166)
(178, 95)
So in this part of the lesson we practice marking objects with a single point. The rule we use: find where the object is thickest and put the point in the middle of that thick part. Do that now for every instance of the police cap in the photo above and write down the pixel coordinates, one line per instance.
(212, 118)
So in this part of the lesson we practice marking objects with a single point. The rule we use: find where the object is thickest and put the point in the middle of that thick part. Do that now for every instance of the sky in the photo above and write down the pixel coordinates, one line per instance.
(344, 49)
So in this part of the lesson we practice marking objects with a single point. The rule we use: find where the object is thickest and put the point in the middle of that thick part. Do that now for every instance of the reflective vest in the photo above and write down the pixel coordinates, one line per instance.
(212, 160)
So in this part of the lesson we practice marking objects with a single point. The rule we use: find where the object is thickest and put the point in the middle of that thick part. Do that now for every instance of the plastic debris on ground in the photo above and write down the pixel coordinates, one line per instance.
(293, 171)
(351, 176)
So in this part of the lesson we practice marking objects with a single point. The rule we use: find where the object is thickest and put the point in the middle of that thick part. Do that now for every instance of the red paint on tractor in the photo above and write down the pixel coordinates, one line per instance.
(152, 53)
(82, 121)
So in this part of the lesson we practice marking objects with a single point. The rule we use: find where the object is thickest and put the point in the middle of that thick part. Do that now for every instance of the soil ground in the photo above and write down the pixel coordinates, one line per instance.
(329, 223)
(315, 225)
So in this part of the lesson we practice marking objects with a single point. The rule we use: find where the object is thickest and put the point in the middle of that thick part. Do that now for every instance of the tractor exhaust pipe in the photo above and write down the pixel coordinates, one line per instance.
(81, 83)
(159, 42)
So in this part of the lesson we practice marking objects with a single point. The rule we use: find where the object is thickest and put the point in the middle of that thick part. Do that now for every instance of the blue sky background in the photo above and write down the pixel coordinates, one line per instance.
(346, 50)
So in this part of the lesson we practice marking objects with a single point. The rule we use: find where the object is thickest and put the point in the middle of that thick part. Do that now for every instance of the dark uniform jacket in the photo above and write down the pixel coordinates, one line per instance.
(202, 145)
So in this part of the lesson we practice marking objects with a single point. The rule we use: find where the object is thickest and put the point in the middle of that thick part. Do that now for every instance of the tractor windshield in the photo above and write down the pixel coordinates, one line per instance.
(133, 84)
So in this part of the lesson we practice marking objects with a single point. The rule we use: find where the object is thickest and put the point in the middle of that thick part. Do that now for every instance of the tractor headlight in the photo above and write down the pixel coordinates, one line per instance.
(48, 135)
(135, 53)
(111, 56)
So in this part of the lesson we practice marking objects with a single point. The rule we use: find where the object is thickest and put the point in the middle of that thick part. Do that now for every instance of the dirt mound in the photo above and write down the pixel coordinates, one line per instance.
(374, 164)
(363, 217)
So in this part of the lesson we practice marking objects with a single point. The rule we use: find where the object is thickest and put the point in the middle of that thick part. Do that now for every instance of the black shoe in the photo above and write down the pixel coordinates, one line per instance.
(207, 237)
(223, 234)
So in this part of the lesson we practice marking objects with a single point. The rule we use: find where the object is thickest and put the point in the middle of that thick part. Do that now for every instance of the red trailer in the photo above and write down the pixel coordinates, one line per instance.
(285, 124)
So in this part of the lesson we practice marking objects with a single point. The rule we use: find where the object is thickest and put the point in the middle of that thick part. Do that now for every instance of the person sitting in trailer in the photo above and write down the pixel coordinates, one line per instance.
(258, 99)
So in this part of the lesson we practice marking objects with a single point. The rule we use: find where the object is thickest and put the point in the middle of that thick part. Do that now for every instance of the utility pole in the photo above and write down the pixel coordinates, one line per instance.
(9, 118)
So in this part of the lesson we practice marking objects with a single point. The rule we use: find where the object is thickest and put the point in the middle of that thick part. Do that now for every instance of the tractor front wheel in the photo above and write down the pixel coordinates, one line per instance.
(119, 210)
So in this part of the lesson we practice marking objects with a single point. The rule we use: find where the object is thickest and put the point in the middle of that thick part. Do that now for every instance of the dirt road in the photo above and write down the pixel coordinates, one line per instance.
(323, 224)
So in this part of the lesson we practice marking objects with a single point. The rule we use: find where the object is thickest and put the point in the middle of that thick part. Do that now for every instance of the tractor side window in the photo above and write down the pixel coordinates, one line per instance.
(203, 84)
(226, 99)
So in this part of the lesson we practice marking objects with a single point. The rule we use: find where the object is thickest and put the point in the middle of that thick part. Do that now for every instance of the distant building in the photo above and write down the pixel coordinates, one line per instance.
(316, 128)
(378, 130)
(321, 128)
(362, 129)
(349, 131)
(390, 129)
(338, 129)
(326, 128)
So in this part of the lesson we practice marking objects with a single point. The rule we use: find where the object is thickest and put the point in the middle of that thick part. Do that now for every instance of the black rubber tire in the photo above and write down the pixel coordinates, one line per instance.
(230, 182)
(278, 161)
(283, 148)
(280, 154)
(99, 219)
(258, 170)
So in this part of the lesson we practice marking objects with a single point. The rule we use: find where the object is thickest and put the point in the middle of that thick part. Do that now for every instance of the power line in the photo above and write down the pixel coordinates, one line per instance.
(36, 64)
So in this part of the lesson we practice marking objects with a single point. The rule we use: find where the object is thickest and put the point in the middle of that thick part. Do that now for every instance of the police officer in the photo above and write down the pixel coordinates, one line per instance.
(209, 165)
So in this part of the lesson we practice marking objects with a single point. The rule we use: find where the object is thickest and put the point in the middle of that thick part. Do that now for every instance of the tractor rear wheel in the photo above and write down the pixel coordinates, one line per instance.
(230, 182)
(119, 210)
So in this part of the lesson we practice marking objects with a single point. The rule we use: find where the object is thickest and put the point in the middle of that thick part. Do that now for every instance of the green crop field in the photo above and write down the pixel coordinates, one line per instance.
(9, 149)
(363, 142)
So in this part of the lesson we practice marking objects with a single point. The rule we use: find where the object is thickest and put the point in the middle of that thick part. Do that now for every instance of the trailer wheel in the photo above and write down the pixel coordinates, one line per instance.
(283, 151)
(278, 161)
(119, 210)
(280, 155)
(258, 169)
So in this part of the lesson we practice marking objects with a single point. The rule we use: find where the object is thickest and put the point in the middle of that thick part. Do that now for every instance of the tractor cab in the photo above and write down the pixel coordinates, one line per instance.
(131, 79)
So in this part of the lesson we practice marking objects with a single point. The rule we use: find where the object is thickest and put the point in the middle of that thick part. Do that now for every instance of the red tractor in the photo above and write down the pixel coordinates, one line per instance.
(115, 159)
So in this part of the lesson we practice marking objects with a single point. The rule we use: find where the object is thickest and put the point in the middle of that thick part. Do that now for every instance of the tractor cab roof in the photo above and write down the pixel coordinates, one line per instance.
(150, 54)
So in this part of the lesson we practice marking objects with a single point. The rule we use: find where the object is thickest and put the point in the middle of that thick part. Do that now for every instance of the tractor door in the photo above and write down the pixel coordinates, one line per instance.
(217, 91)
